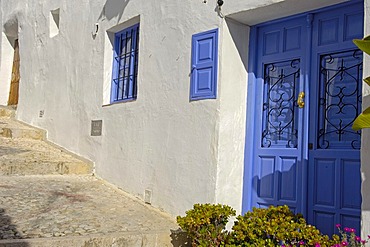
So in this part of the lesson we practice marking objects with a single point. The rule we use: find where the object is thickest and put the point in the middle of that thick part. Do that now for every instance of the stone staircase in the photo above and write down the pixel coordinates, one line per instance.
(24, 151)
(50, 198)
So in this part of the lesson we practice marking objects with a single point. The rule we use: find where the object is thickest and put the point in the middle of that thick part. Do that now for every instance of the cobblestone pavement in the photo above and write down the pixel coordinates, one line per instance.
(56, 205)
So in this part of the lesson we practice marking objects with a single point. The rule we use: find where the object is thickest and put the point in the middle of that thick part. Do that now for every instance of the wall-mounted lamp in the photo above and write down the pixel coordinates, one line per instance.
(95, 29)
(218, 8)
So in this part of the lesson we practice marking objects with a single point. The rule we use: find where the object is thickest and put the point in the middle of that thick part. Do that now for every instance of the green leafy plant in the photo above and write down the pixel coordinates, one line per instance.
(205, 224)
(363, 120)
(271, 227)
(276, 226)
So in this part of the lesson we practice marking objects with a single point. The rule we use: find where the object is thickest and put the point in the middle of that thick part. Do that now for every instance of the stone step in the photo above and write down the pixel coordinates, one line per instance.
(78, 211)
(12, 128)
(133, 239)
(34, 157)
(7, 111)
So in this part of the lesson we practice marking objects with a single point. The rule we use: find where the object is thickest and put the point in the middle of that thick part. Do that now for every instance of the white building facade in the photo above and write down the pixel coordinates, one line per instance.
(183, 90)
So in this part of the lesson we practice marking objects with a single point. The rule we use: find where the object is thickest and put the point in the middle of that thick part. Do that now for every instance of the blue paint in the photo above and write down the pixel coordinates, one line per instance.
(125, 65)
(280, 166)
(334, 192)
(204, 59)
(250, 126)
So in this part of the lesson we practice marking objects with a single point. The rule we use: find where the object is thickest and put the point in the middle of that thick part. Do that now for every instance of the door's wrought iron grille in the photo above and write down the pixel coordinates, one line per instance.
(339, 100)
(280, 127)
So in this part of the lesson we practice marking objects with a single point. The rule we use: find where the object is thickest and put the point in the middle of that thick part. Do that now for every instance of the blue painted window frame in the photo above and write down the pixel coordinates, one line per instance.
(125, 65)
(197, 93)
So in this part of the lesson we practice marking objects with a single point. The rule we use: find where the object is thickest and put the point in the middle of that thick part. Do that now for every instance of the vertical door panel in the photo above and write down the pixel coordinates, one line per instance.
(14, 84)
(277, 169)
(334, 161)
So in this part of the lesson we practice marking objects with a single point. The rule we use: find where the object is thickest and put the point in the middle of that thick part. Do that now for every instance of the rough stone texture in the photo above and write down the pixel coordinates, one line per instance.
(20, 156)
(7, 111)
(23, 132)
(114, 240)
(57, 210)
(11, 128)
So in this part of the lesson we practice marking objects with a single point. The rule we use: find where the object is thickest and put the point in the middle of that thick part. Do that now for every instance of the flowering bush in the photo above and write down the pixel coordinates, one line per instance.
(205, 224)
(276, 226)
(349, 238)
(271, 227)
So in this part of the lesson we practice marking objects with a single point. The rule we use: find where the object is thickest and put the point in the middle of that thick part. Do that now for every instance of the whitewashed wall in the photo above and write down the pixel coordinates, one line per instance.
(184, 152)
(365, 145)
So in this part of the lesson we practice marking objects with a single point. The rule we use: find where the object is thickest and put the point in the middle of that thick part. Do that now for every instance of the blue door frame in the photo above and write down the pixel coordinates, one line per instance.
(296, 159)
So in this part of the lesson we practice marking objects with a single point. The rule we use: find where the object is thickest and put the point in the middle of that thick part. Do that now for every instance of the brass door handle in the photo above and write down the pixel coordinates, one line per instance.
(300, 101)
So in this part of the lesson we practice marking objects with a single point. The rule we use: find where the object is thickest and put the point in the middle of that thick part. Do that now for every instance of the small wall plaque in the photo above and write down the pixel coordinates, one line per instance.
(96, 127)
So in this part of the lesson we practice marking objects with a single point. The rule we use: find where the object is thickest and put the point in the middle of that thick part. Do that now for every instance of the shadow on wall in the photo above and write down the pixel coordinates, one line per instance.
(265, 187)
(240, 36)
(11, 28)
(8, 231)
(288, 193)
(112, 9)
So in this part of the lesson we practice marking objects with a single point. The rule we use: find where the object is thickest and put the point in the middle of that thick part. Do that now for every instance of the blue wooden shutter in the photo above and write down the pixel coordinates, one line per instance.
(203, 83)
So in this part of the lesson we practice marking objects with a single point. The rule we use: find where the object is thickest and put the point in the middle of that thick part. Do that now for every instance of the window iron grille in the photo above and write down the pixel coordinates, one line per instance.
(125, 64)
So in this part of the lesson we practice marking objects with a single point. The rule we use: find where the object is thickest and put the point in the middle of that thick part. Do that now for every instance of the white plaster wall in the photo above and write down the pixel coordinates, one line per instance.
(185, 152)
(232, 94)
(161, 141)
(256, 11)
(365, 142)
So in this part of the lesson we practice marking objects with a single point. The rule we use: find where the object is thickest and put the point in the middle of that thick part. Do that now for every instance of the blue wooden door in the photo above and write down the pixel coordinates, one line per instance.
(307, 92)
(277, 174)
(334, 148)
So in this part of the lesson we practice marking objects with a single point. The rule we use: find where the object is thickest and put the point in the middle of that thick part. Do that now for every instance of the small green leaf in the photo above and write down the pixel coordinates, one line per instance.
(363, 44)
(362, 121)
(367, 80)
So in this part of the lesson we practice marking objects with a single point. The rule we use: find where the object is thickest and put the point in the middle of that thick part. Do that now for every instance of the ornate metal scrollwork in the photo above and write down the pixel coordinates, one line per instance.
(339, 100)
(279, 104)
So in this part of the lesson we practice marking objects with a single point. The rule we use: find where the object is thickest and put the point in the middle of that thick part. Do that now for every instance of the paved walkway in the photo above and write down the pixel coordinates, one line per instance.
(52, 206)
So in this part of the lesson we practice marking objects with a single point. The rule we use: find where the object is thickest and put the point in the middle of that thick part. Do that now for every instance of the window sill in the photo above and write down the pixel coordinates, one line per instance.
(119, 102)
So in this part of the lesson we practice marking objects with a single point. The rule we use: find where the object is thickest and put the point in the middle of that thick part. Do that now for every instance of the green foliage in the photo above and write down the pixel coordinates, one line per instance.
(205, 224)
(363, 120)
(363, 44)
(276, 226)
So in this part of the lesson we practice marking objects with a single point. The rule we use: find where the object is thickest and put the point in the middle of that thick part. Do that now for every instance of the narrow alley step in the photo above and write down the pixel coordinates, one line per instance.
(24, 151)
(11, 128)
(7, 111)
(20, 156)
